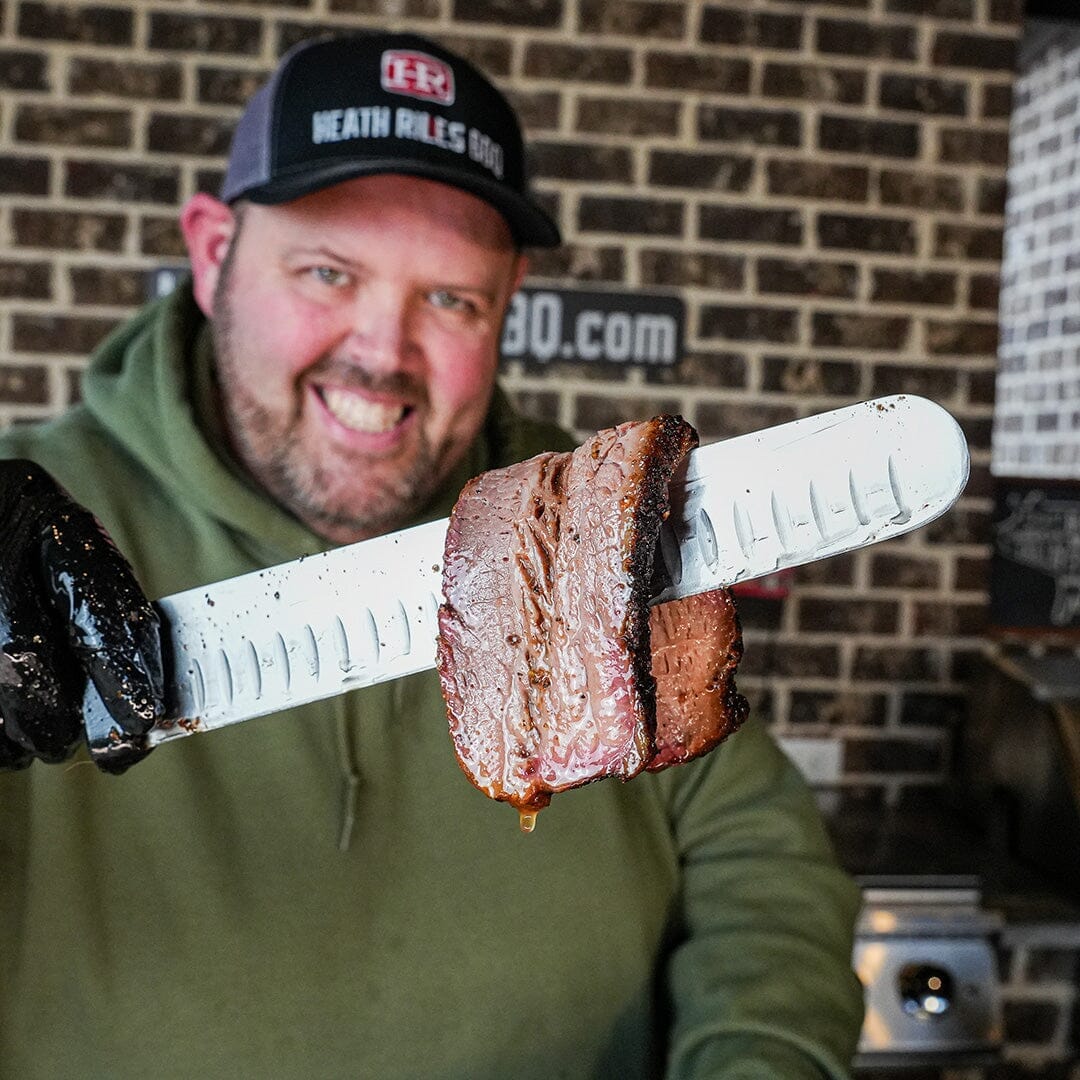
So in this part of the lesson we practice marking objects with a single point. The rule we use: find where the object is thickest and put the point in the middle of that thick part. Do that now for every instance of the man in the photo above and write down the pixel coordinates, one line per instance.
(321, 893)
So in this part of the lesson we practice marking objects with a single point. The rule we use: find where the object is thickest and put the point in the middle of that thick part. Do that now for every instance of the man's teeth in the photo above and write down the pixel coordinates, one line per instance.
(355, 412)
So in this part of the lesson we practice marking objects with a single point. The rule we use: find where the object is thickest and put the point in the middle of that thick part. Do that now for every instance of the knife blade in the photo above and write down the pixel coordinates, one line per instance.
(368, 612)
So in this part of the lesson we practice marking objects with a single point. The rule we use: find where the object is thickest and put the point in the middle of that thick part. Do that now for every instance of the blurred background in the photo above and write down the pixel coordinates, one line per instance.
(779, 207)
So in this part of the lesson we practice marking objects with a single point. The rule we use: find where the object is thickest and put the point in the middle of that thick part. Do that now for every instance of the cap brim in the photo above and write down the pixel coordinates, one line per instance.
(530, 225)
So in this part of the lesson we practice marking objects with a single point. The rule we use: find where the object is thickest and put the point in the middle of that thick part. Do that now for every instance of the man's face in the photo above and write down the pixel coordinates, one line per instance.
(357, 334)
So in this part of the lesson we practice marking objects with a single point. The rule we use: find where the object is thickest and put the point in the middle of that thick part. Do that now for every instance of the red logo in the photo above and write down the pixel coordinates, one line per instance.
(418, 75)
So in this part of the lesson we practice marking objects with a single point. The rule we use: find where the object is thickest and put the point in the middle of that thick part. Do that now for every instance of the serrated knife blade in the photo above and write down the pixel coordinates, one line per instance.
(741, 508)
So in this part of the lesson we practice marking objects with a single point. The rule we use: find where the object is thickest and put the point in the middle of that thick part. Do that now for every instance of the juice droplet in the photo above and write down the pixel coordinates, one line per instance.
(527, 820)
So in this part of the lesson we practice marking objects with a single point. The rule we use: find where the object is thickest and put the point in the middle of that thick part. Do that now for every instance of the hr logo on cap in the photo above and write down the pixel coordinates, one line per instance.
(418, 75)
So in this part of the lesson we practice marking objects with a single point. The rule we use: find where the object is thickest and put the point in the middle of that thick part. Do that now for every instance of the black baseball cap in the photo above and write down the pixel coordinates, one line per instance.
(355, 105)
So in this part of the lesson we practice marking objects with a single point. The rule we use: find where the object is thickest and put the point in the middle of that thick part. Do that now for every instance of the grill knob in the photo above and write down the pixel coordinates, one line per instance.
(926, 990)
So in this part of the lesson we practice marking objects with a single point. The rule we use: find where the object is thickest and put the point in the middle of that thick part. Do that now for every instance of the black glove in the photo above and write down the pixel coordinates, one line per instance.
(76, 631)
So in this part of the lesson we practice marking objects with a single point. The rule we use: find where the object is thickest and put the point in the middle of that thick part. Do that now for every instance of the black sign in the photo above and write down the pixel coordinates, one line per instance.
(1035, 564)
(545, 326)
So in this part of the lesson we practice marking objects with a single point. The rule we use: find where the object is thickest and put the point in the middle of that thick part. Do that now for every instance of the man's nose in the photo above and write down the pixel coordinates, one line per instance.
(380, 336)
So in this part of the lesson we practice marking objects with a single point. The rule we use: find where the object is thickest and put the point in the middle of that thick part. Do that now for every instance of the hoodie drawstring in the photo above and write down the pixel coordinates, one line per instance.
(350, 776)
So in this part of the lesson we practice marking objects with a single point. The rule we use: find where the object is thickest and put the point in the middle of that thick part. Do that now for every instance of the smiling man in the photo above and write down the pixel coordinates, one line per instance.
(356, 331)
(322, 893)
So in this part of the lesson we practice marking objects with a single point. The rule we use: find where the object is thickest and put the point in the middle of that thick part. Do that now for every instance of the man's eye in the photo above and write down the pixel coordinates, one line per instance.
(443, 298)
(327, 275)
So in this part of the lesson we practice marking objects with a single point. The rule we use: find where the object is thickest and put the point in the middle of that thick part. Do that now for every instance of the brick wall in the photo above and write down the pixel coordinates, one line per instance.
(822, 182)
(1036, 420)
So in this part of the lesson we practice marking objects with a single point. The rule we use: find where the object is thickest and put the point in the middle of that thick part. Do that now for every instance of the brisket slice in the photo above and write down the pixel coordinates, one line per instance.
(696, 646)
(544, 646)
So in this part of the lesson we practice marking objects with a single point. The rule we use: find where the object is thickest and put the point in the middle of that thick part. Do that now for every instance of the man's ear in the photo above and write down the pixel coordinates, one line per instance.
(208, 226)
(520, 270)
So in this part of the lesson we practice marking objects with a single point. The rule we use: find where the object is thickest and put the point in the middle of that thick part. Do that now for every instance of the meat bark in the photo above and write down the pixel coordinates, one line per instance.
(696, 647)
(544, 643)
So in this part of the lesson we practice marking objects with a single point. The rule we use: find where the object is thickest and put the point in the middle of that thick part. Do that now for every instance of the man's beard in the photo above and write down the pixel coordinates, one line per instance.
(271, 446)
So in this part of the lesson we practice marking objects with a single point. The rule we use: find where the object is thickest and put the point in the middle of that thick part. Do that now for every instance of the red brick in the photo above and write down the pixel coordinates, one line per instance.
(227, 86)
(25, 280)
(593, 412)
(703, 369)
(755, 29)
(627, 116)
(984, 291)
(858, 135)
(757, 127)
(814, 82)
(537, 110)
(992, 193)
(962, 337)
(63, 230)
(997, 101)
(923, 191)
(179, 133)
(492, 55)
(853, 37)
(85, 23)
(679, 269)
(837, 709)
(636, 18)
(966, 146)
(205, 33)
(535, 13)
(62, 125)
(956, 241)
(411, 9)
(577, 161)
(896, 663)
(922, 94)
(748, 322)
(579, 262)
(811, 377)
(538, 404)
(939, 9)
(859, 616)
(901, 286)
(843, 330)
(935, 382)
(632, 216)
(837, 570)
(890, 570)
(114, 286)
(979, 52)
(23, 70)
(864, 233)
(725, 419)
(709, 73)
(24, 175)
(24, 384)
(792, 660)
(818, 180)
(750, 225)
(700, 170)
(161, 236)
(118, 182)
(58, 333)
(881, 755)
(972, 573)
(599, 64)
(807, 277)
(127, 79)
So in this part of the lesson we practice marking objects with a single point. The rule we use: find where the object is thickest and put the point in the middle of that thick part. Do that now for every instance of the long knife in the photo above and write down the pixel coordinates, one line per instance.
(367, 612)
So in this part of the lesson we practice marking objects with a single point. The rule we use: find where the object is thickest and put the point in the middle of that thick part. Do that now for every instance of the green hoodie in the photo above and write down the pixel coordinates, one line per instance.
(322, 893)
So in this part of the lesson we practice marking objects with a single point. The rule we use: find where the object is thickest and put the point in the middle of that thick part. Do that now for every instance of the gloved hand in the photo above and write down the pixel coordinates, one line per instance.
(76, 631)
